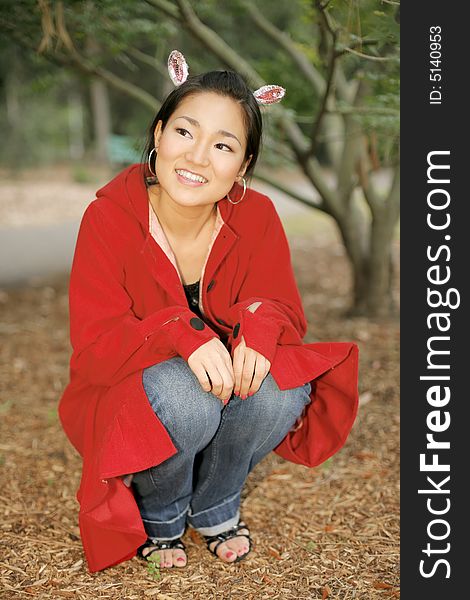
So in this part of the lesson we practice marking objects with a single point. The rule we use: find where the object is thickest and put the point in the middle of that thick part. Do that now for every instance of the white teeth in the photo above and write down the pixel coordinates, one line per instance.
(191, 176)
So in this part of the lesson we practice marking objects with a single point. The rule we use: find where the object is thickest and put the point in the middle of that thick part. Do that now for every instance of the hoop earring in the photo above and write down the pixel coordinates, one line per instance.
(148, 161)
(243, 195)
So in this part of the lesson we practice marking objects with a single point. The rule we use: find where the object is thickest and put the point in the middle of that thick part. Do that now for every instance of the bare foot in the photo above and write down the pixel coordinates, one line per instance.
(168, 558)
(230, 550)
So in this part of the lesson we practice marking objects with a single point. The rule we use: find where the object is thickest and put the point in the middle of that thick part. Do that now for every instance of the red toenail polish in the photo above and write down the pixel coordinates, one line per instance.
(229, 554)
(180, 558)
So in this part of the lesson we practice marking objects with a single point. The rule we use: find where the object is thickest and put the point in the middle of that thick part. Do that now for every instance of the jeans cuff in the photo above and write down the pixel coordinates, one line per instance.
(220, 517)
(216, 529)
(166, 530)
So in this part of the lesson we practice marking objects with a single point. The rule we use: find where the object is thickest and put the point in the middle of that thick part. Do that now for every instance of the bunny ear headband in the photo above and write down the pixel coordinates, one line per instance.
(179, 71)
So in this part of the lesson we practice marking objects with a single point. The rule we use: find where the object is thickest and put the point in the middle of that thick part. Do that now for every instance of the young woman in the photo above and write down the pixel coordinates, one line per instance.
(188, 365)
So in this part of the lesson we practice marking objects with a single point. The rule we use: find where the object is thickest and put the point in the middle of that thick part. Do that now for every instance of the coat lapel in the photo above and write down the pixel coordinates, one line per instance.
(162, 270)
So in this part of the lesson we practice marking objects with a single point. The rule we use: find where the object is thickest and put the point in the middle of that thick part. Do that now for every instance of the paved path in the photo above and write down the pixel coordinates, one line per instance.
(34, 252)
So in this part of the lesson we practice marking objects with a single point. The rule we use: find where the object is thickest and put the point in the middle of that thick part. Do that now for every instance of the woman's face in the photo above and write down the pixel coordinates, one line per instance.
(201, 151)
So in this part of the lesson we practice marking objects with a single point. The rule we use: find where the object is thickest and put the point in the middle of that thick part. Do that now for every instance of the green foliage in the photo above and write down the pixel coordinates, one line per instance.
(106, 33)
(153, 566)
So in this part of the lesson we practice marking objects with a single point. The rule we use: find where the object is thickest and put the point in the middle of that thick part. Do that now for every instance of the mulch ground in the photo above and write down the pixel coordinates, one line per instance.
(329, 532)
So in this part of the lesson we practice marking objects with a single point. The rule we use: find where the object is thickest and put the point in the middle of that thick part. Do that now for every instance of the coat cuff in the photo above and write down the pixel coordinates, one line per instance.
(187, 332)
(260, 333)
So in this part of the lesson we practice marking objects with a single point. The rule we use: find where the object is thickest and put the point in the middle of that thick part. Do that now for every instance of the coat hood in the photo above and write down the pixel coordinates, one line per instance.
(128, 190)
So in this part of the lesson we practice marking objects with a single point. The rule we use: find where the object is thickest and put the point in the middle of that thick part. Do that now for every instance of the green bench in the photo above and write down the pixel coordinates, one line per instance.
(121, 150)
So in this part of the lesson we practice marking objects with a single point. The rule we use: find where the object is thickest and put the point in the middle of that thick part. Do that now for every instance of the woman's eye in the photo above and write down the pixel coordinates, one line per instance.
(224, 146)
(182, 131)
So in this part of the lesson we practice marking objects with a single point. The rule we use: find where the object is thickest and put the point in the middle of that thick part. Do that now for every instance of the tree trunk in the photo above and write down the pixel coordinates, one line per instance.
(368, 247)
(101, 119)
(100, 106)
(76, 124)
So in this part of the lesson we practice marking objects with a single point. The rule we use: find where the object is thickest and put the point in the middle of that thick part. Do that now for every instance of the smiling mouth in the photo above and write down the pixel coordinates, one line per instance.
(191, 176)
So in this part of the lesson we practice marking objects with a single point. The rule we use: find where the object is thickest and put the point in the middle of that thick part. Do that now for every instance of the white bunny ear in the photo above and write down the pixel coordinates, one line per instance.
(177, 68)
(269, 94)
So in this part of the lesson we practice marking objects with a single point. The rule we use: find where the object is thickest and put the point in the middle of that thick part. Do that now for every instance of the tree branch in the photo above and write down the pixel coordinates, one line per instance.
(368, 56)
(311, 74)
(151, 61)
(352, 149)
(310, 202)
(78, 62)
(166, 7)
(325, 99)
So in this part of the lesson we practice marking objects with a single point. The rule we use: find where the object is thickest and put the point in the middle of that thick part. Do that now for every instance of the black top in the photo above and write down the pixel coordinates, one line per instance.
(192, 294)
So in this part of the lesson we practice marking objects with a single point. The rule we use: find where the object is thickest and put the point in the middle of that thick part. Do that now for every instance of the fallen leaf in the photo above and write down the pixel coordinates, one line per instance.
(275, 553)
(194, 536)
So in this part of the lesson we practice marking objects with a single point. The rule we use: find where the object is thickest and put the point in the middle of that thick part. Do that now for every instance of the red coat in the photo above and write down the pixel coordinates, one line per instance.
(128, 310)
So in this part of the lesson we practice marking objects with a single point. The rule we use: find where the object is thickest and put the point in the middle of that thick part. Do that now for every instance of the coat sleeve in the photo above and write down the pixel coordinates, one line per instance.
(108, 340)
(269, 309)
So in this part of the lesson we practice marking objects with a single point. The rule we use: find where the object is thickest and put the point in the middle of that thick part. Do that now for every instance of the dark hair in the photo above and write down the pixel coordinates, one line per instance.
(225, 83)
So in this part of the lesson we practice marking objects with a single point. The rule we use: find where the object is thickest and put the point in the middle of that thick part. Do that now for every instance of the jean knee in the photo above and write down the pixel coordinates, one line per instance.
(280, 410)
(281, 405)
(190, 415)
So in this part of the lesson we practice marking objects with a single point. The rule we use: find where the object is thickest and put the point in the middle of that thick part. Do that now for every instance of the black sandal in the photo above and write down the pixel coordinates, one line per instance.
(228, 535)
(157, 546)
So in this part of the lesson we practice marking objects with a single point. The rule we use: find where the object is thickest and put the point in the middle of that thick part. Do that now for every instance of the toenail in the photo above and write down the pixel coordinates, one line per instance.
(229, 554)
(180, 558)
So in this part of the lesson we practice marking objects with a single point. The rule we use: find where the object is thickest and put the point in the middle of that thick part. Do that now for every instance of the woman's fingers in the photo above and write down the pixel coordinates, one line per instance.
(212, 365)
(260, 373)
(221, 377)
(238, 362)
(199, 370)
(248, 371)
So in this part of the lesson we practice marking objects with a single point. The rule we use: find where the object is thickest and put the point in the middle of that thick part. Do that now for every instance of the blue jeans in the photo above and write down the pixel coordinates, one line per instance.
(217, 445)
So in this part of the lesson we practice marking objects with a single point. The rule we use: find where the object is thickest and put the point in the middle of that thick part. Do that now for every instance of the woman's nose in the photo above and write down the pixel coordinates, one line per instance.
(199, 155)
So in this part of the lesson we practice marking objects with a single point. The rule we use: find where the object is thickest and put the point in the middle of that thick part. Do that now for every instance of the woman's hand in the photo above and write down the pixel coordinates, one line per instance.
(250, 368)
(212, 365)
